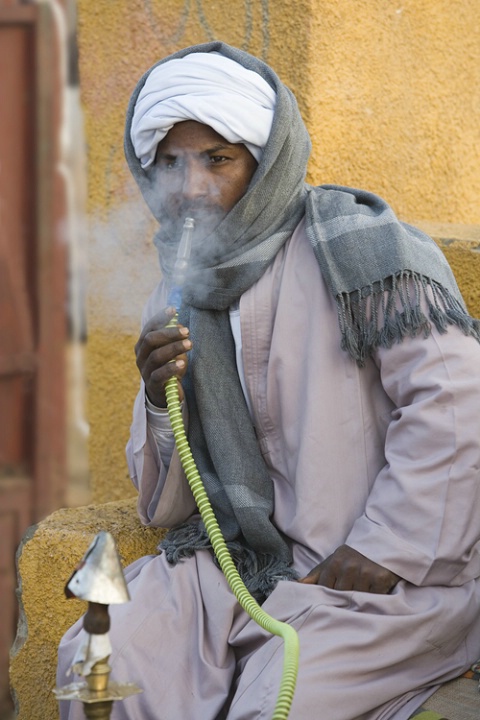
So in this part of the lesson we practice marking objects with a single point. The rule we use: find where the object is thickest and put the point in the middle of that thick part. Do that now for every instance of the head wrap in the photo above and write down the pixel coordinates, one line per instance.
(210, 89)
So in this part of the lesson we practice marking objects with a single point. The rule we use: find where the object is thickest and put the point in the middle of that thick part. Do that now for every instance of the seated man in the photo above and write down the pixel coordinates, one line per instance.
(330, 375)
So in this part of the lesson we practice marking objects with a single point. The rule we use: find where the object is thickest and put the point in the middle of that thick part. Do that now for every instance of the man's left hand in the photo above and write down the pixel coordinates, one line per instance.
(347, 569)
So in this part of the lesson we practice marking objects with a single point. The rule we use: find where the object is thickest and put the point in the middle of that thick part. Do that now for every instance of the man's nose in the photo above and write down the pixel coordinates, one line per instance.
(195, 181)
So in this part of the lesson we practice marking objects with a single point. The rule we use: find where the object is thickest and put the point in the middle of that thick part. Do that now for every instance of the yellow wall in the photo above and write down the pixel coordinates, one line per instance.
(390, 93)
(396, 103)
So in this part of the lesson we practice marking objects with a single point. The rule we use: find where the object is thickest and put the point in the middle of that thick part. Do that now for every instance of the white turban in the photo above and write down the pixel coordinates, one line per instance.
(209, 88)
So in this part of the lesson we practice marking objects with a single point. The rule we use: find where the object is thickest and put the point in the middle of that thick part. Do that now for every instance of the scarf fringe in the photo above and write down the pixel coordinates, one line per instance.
(259, 571)
(369, 317)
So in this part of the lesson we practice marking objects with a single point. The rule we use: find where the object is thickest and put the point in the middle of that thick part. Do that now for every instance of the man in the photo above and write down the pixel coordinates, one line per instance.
(329, 378)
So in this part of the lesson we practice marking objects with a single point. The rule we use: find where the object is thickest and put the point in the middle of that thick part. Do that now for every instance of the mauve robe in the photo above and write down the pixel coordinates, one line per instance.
(384, 458)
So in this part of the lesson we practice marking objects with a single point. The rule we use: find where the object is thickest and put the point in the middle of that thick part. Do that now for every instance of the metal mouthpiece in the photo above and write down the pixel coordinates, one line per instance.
(181, 263)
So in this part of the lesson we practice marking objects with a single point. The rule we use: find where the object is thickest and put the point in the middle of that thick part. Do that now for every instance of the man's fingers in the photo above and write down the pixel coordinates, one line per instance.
(160, 376)
(156, 323)
(346, 569)
(161, 354)
(157, 357)
(161, 319)
(163, 343)
(312, 578)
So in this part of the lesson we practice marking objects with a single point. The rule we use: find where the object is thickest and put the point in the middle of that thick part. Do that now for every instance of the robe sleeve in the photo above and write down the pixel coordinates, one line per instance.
(421, 519)
(164, 496)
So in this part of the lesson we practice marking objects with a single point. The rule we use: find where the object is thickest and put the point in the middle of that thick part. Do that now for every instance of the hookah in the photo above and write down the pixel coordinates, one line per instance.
(99, 580)
(247, 602)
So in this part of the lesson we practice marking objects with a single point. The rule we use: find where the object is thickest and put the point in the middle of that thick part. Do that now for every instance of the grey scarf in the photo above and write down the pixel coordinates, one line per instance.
(369, 261)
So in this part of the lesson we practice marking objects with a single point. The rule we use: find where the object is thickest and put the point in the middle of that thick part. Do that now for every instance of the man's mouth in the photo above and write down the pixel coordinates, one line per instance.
(207, 218)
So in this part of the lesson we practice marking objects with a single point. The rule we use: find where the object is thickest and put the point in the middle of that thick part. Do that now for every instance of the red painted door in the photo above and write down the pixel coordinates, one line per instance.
(32, 293)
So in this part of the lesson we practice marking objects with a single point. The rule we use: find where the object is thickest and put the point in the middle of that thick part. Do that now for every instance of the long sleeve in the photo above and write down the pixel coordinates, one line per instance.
(164, 496)
(422, 516)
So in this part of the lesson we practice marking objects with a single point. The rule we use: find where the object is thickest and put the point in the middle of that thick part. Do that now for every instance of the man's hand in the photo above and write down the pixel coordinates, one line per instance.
(347, 569)
(156, 348)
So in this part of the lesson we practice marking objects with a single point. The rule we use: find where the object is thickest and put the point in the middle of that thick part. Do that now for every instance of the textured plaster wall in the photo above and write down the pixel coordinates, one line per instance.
(393, 103)
(390, 92)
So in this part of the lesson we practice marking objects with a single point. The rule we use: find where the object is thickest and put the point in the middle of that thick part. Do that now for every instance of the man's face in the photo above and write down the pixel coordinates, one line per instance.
(200, 175)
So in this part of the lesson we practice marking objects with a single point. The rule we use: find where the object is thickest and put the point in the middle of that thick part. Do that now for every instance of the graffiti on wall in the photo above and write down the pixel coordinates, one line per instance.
(198, 10)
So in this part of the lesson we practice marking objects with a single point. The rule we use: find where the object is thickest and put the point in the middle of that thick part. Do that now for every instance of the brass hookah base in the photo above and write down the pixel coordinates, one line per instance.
(99, 580)
(97, 694)
(100, 707)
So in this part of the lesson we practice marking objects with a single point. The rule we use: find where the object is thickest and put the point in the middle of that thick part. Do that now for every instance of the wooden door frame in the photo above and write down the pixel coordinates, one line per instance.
(49, 276)
(51, 263)
(28, 498)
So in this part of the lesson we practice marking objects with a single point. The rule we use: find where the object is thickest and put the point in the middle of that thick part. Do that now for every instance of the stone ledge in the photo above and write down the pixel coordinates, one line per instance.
(47, 556)
(461, 246)
(447, 233)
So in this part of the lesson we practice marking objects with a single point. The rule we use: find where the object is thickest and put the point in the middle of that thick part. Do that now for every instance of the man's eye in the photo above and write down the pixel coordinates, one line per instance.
(215, 159)
(169, 163)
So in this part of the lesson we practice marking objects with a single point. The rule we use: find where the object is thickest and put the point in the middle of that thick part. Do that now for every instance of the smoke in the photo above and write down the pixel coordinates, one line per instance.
(123, 261)
(123, 267)
(186, 189)
(196, 174)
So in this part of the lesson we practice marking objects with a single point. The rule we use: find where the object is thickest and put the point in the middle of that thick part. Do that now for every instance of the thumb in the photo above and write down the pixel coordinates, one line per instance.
(312, 578)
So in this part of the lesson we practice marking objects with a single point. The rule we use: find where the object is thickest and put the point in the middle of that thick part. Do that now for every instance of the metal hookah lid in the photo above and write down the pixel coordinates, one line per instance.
(99, 576)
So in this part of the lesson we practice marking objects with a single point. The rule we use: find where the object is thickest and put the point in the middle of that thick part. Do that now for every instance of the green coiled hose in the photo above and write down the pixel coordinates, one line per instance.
(248, 603)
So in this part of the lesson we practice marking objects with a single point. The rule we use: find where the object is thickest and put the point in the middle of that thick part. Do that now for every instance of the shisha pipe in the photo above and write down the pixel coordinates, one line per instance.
(99, 580)
(245, 599)
(181, 264)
